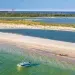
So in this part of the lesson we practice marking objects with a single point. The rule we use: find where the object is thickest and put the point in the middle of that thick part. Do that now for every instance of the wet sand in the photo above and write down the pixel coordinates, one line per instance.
(64, 52)
(58, 48)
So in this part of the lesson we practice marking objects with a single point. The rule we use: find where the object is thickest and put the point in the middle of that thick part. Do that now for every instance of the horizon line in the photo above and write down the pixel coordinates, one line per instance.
(37, 10)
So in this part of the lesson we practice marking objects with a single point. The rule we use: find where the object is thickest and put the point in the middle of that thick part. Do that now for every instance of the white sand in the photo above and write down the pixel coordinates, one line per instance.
(57, 47)
(22, 26)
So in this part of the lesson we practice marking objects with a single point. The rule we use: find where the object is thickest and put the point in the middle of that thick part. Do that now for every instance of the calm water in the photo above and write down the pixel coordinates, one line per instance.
(10, 56)
(55, 20)
(68, 20)
(50, 34)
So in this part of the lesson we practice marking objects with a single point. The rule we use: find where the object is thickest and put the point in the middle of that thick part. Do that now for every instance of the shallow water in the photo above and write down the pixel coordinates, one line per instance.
(11, 55)
(60, 20)
(49, 34)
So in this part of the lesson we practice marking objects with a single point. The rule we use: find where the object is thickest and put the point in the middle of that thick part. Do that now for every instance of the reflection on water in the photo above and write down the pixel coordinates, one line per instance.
(21, 68)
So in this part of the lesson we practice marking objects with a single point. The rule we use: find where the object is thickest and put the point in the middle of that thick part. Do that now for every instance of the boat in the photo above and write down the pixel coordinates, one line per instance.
(25, 64)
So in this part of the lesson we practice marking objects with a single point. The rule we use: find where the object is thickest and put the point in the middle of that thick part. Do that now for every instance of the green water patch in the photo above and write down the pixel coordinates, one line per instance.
(9, 62)
(10, 56)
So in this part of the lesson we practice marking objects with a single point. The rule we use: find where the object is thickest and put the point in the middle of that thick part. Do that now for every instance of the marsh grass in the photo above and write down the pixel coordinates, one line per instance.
(34, 23)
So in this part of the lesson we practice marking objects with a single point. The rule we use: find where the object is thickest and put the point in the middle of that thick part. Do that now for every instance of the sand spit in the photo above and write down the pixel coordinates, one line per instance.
(59, 48)
(22, 26)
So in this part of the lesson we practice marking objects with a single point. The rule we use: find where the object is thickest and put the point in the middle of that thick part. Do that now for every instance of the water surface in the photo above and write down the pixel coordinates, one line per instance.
(10, 56)
(60, 20)
(48, 34)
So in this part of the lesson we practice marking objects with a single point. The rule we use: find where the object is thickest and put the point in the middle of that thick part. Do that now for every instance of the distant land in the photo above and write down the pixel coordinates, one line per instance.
(37, 13)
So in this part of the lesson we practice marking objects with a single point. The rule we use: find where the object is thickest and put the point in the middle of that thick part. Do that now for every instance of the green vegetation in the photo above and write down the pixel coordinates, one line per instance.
(34, 14)
(5, 14)
(35, 23)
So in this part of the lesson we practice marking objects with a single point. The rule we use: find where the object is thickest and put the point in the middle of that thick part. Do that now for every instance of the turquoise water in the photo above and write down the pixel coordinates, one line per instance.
(11, 55)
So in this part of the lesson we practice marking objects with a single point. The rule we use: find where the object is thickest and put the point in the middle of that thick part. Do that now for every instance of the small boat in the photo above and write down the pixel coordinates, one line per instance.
(25, 64)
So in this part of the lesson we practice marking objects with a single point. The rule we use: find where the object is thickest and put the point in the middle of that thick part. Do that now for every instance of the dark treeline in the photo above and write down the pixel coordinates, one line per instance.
(35, 14)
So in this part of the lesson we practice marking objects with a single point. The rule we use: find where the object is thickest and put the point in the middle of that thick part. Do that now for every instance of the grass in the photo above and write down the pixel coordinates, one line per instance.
(25, 22)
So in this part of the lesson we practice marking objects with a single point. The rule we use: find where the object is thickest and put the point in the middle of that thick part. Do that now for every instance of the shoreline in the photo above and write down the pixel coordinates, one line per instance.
(63, 51)
(43, 47)
(26, 26)
(59, 48)
(40, 17)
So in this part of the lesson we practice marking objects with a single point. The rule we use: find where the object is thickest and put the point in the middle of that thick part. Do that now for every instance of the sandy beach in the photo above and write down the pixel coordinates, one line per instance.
(63, 51)
(58, 48)
(22, 26)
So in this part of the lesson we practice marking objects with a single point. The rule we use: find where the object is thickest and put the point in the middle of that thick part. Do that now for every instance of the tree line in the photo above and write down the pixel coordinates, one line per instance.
(16, 14)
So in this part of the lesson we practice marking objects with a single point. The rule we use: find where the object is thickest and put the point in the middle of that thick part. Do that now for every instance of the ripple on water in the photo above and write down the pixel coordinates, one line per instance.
(11, 55)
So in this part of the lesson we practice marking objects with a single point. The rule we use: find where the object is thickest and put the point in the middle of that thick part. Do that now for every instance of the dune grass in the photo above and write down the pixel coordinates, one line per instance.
(25, 22)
